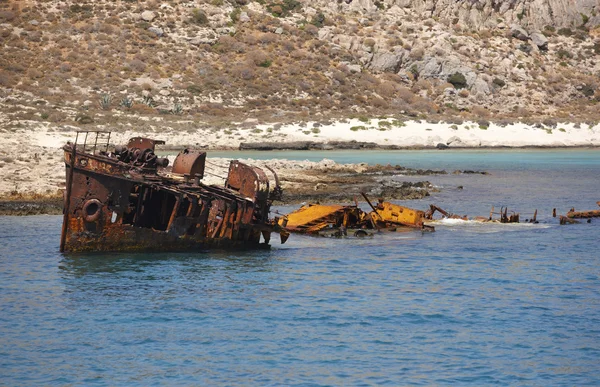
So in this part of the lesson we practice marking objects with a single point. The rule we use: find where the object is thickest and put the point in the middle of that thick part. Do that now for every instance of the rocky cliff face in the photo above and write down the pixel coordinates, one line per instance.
(286, 59)
(532, 14)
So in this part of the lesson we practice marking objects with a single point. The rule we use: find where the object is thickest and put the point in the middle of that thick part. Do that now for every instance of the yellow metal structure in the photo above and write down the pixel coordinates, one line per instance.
(386, 213)
(313, 218)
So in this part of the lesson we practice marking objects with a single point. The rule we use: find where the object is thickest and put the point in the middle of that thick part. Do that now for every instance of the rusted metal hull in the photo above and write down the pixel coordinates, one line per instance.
(584, 214)
(123, 203)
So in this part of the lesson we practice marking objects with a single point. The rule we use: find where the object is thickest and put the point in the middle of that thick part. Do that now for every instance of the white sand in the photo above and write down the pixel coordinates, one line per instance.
(23, 171)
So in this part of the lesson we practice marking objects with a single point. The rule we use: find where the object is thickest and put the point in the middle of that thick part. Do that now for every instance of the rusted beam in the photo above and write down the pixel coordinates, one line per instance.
(67, 204)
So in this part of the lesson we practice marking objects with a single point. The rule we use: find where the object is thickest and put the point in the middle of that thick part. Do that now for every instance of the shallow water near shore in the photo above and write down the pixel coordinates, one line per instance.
(471, 304)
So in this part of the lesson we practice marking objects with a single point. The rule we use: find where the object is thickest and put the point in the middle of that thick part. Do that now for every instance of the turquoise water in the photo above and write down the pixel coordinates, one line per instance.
(470, 304)
(436, 159)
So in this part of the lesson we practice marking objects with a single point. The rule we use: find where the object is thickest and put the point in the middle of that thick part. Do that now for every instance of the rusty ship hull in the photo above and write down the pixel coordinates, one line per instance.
(124, 200)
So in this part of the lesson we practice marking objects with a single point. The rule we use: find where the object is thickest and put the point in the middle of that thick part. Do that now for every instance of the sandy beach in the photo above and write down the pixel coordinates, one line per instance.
(31, 159)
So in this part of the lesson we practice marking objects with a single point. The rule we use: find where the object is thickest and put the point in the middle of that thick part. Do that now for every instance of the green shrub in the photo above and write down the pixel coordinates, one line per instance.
(499, 82)
(457, 80)
(587, 90)
(565, 31)
(235, 15)
(266, 63)
(562, 54)
(318, 20)
(357, 128)
(194, 89)
(283, 8)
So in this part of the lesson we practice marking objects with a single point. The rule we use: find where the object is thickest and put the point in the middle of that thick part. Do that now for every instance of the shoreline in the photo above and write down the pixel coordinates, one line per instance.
(32, 159)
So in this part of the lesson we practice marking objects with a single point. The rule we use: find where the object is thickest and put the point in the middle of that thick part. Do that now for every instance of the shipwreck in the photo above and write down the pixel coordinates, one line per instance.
(125, 198)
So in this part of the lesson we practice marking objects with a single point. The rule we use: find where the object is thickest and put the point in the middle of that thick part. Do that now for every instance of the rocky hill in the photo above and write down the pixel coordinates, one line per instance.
(221, 62)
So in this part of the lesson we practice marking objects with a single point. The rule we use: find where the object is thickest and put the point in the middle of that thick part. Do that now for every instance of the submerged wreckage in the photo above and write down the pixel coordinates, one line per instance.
(125, 199)
(338, 221)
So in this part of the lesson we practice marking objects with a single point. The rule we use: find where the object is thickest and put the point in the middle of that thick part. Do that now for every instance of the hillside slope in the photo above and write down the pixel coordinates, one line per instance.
(220, 62)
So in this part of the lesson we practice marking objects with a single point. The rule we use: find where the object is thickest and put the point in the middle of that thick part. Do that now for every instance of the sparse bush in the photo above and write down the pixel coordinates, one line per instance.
(384, 125)
(565, 31)
(283, 8)
(417, 53)
(137, 65)
(6, 15)
(587, 90)
(369, 42)
(562, 54)
(194, 89)
(318, 20)
(499, 82)
(5, 79)
(199, 17)
(258, 57)
(464, 93)
(266, 63)
(235, 15)
(457, 80)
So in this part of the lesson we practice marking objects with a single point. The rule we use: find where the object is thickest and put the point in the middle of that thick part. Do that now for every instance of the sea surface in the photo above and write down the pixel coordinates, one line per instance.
(470, 304)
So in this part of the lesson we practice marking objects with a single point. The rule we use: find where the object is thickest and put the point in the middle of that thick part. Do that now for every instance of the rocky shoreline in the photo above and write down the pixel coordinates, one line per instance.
(302, 182)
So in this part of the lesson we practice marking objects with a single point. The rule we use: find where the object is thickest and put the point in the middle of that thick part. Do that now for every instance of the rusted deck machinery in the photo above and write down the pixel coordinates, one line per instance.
(123, 199)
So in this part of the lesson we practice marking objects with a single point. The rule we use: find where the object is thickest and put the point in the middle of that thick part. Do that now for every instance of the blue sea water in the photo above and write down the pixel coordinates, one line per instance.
(471, 304)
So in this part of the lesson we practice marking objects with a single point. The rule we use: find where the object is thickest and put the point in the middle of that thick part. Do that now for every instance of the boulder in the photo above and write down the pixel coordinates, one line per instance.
(539, 40)
(480, 87)
(156, 31)
(519, 32)
(386, 62)
(244, 18)
(148, 16)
